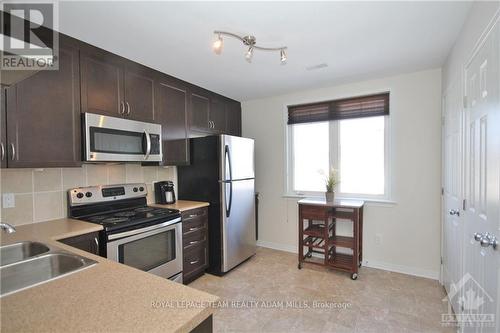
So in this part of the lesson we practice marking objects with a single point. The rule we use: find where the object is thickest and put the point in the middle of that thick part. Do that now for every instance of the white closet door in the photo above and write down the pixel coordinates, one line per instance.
(482, 181)
(453, 225)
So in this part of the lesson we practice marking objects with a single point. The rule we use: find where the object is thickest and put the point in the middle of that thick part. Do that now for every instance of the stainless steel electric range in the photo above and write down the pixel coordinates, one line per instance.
(135, 234)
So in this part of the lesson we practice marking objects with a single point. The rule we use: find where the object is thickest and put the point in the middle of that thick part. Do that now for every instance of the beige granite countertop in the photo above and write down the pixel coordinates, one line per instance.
(184, 205)
(108, 296)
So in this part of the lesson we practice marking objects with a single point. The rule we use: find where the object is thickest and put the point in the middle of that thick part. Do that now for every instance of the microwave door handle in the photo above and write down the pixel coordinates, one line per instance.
(148, 145)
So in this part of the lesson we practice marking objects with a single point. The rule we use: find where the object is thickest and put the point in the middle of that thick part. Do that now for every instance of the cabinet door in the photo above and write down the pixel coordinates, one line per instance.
(3, 129)
(171, 113)
(43, 116)
(233, 118)
(200, 111)
(139, 96)
(218, 115)
(87, 242)
(102, 85)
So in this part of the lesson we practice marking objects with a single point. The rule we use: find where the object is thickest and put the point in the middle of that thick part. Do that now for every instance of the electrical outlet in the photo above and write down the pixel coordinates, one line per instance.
(8, 200)
(378, 239)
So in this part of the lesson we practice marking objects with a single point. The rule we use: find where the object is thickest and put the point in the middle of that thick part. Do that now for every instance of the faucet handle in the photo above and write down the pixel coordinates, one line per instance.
(7, 228)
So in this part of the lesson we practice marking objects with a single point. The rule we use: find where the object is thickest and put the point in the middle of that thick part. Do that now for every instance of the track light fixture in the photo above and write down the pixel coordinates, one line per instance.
(218, 45)
(249, 54)
(249, 41)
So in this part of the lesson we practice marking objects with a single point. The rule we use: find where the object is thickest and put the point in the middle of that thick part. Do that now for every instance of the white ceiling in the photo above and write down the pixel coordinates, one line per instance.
(358, 40)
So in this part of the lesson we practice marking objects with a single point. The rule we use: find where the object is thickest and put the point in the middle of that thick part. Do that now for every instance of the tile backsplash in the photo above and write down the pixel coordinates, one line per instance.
(40, 194)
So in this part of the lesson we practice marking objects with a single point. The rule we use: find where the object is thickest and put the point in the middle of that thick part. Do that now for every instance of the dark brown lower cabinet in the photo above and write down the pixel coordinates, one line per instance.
(195, 243)
(86, 242)
(205, 326)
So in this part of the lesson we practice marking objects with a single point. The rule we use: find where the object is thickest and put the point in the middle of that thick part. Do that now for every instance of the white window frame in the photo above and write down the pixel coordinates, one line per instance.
(335, 162)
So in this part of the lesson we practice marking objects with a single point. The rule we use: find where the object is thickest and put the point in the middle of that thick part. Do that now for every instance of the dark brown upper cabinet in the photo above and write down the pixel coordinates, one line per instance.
(43, 115)
(112, 87)
(102, 85)
(200, 112)
(218, 115)
(233, 118)
(172, 114)
(139, 95)
(3, 129)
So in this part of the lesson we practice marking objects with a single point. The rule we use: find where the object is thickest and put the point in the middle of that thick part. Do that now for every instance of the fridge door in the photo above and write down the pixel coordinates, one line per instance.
(237, 158)
(238, 222)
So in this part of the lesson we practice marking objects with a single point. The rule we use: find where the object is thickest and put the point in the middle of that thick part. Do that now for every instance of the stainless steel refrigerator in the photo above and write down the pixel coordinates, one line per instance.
(221, 172)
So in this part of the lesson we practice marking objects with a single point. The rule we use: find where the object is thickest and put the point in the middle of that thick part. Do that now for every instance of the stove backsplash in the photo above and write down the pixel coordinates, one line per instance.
(40, 194)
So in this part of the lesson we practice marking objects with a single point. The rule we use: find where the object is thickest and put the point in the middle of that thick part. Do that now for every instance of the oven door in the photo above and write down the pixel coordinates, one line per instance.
(155, 249)
(116, 139)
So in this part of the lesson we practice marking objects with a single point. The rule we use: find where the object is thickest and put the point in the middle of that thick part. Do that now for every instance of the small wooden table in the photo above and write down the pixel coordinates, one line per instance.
(319, 234)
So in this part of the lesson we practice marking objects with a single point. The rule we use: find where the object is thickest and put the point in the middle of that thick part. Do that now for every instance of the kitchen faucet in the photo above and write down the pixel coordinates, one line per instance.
(7, 228)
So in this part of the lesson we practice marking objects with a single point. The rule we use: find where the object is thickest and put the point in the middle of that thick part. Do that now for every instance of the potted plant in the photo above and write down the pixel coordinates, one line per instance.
(331, 182)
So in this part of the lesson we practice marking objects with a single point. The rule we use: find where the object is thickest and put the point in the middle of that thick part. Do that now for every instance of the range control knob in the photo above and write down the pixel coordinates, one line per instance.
(141, 188)
(79, 195)
(88, 194)
(135, 189)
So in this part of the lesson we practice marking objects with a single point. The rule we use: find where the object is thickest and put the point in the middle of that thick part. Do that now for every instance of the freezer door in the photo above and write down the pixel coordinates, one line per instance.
(238, 222)
(237, 158)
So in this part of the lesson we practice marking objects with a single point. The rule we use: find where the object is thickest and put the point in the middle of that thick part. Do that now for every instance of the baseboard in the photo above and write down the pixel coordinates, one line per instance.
(276, 246)
(434, 275)
(368, 263)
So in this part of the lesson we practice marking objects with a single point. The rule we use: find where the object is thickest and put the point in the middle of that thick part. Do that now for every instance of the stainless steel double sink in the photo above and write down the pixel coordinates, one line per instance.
(28, 264)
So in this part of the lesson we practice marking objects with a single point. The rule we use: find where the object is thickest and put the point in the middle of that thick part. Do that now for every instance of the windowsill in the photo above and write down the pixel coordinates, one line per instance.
(382, 202)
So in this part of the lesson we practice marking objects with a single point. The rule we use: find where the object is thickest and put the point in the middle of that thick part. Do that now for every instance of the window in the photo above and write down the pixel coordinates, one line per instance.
(357, 147)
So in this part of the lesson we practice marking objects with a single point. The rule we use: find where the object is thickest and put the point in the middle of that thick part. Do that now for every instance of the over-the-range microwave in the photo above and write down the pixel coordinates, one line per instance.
(111, 139)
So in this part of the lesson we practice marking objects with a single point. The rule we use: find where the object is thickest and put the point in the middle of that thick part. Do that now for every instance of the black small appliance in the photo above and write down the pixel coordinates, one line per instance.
(164, 192)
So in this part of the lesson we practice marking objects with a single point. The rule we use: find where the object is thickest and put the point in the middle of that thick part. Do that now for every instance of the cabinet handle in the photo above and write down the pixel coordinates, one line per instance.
(192, 216)
(213, 124)
(128, 109)
(194, 229)
(193, 242)
(209, 124)
(2, 148)
(194, 262)
(96, 241)
(13, 151)
(122, 108)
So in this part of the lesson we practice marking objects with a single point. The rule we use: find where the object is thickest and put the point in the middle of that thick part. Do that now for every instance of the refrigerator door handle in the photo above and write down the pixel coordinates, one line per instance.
(229, 200)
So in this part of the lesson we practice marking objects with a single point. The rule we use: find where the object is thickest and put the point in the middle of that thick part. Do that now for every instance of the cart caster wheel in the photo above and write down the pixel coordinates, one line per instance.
(354, 276)
(309, 255)
(299, 266)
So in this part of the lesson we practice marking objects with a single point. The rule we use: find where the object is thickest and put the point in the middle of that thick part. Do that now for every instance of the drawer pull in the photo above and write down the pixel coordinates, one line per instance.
(194, 262)
(192, 216)
(193, 242)
(194, 229)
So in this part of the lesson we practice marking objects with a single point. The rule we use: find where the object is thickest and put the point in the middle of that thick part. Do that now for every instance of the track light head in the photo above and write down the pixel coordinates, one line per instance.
(249, 54)
(218, 45)
(283, 56)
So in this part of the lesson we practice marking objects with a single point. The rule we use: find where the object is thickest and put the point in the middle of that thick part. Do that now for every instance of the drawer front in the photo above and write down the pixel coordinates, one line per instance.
(195, 258)
(194, 225)
(194, 213)
(314, 212)
(194, 238)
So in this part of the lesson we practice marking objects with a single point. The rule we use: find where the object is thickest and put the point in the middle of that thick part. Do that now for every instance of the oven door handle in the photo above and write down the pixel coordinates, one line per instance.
(140, 231)
(148, 145)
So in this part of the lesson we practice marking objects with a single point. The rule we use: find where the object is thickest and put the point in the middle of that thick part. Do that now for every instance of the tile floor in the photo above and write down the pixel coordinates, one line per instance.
(380, 301)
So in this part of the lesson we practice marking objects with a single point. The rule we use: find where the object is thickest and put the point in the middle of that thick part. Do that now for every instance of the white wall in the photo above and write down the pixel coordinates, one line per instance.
(410, 228)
